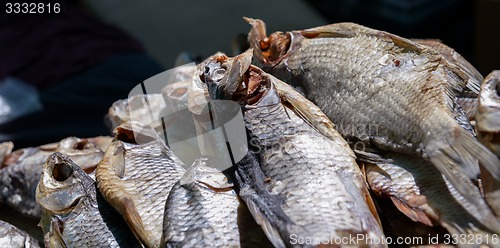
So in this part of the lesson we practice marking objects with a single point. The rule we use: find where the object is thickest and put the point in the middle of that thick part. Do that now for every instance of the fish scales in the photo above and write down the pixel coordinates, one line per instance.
(310, 173)
(204, 210)
(299, 167)
(425, 196)
(136, 178)
(383, 90)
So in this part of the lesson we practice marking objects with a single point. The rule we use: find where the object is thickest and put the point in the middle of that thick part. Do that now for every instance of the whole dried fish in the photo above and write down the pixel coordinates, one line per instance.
(316, 178)
(22, 169)
(135, 176)
(382, 90)
(11, 236)
(424, 195)
(203, 210)
(74, 213)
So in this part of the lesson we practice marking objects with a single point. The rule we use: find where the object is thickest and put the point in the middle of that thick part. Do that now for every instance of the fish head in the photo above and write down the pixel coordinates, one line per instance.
(84, 152)
(488, 112)
(221, 74)
(135, 133)
(62, 184)
(269, 50)
(237, 80)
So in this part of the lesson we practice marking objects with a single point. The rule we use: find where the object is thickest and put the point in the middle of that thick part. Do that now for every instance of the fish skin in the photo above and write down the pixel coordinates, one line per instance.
(74, 213)
(22, 169)
(11, 236)
(364, 78)
(135, 176)
(467, 99)
(308, 172)
(424, 195)
(214, 215)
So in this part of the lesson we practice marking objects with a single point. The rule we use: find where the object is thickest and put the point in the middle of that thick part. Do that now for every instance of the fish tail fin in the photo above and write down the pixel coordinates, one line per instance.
(460, 153)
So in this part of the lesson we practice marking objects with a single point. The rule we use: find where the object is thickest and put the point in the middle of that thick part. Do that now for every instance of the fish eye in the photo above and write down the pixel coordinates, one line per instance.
(207, 69)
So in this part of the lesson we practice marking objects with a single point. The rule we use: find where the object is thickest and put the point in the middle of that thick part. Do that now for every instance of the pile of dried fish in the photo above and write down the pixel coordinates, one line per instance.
(355, 137)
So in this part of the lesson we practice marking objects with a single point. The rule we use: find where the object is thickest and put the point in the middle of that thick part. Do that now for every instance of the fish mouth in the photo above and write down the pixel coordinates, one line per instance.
(58, 190)
(61, 171)
(236, 79)
(254, 85)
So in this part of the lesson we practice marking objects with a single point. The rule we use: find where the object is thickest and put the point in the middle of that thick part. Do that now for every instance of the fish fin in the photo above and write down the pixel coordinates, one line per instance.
(411, 211)
(309, 112)
(109, 170)
(468, 105)
(459, 158)
(406, 45)
(338, 30)
(131, 215)
(474, 78)
(371, 157)
(256, 35)
(272, 233)
(461, 152)
(372, 206)
(54, 237)
(264, 207)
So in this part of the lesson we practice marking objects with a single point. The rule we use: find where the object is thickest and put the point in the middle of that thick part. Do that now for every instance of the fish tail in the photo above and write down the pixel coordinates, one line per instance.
(460, 153)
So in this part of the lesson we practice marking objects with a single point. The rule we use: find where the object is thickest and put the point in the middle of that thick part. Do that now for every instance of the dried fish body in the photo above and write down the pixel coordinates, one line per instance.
(135, 177)
(365, 78)
(214, 216)
(424, 195)
(315, 177)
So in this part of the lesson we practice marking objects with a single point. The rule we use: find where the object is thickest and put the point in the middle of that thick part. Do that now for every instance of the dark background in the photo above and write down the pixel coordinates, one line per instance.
(204, 27)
